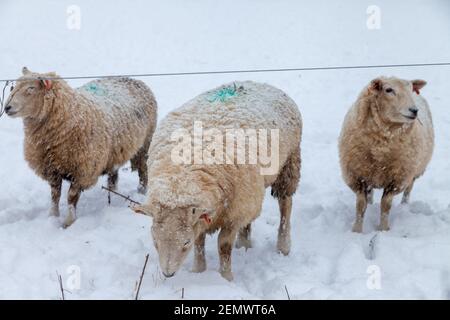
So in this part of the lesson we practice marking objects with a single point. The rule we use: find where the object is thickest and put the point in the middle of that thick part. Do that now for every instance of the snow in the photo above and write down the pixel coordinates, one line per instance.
(109, 243)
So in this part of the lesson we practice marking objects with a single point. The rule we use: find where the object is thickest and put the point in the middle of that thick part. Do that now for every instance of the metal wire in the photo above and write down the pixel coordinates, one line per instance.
(214, 72)
(193, 73)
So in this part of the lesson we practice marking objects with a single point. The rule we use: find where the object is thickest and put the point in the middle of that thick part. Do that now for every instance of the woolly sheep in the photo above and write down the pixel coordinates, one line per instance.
(190, 199)
(386, 142)
(78, 135)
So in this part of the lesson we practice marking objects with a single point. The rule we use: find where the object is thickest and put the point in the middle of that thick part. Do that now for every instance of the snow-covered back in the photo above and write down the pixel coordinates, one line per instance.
(108, 244)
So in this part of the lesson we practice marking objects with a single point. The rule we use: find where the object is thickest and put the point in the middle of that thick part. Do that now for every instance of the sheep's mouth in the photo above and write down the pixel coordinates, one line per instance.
(169, 275)
(410, 117)
(11, 113)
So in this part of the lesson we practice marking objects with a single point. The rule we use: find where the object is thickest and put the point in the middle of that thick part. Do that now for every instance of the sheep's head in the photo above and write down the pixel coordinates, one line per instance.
(394, 99)
(28, 96)
(174, 232)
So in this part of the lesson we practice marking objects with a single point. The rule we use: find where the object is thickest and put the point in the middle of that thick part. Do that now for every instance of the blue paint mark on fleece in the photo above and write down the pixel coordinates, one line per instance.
(224, 94)
(95, 89)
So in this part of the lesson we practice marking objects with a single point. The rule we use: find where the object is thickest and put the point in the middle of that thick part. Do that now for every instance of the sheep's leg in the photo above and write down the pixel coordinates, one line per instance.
(139, 163)
(73, 197)
(199, 255)
(405, 198)
(370, 196)
(244, 237)
(226, 239)
(143, 178)
(283, 188)
(386, 203)
(56, 196)
(284, 231)
(113, 177)
(361, 206)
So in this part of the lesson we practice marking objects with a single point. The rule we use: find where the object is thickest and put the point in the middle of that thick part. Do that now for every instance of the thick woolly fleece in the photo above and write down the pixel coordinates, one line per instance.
(380, 156)
(379, 150)
(83, 133)
(235, 192)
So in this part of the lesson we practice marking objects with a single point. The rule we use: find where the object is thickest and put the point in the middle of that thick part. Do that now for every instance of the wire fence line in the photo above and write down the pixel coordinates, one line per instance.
(214, 72)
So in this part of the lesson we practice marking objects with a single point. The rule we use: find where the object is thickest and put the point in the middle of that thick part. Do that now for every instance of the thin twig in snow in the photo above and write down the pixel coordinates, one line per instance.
(372, 244)
(140, 279)
(127, 198)
(287, 292)
(61, 286)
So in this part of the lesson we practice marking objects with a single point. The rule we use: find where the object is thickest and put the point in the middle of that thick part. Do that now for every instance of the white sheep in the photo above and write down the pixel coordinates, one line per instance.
(386, 142)
(211, 188)
(78, 135)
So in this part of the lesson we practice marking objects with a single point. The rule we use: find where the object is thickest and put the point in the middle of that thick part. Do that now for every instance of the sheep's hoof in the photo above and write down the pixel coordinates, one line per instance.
(405, 200)
(68, 222)
(227, 275)
(53, 213)
(66, 225)
(284, 246)
(199, 267)
(112, 186)
(243, 242)
(357, 227)
(142, 190)
(384, 227)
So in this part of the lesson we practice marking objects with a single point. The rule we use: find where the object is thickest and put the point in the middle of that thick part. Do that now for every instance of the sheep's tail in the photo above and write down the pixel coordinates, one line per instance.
(287, 180)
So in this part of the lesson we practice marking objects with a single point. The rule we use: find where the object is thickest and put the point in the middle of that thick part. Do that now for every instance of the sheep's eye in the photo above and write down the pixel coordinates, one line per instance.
(11, 89)
(390, 90)
(187, 243)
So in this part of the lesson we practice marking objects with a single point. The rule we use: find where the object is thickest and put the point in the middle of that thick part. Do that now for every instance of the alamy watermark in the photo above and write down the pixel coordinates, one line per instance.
(373, 21)
(226, 147)
(73, 281)
(73, 21)
(374, 279)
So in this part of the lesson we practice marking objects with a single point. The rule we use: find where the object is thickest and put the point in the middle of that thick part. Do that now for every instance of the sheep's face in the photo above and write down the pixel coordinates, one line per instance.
(173, 236)
(174, 232)
(27, 97)
(394, 99)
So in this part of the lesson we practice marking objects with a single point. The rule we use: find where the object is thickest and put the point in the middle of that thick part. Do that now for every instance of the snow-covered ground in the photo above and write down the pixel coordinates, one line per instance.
(108, 243)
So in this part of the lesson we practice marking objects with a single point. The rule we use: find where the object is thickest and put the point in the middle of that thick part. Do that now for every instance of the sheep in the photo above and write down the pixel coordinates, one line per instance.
(80, 134)
(386, 142)
(199, 195)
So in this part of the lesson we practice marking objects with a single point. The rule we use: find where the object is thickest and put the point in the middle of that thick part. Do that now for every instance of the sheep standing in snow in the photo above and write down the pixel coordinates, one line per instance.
(78, 135)
(214, 190)
(386, 142)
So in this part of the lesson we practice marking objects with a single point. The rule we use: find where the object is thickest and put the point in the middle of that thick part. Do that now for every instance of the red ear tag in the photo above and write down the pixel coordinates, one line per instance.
(206, 218)
(416, 91)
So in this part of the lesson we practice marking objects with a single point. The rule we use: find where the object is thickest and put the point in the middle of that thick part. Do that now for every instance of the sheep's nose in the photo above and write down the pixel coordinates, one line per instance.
(8, 108)
(414, 110)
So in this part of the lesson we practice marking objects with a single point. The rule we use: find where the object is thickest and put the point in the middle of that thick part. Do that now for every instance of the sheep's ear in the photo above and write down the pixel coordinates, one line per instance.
(25, 71)
(203, 214)
(47, 83)
(376, 85)
(142, 209)
(418, 84)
